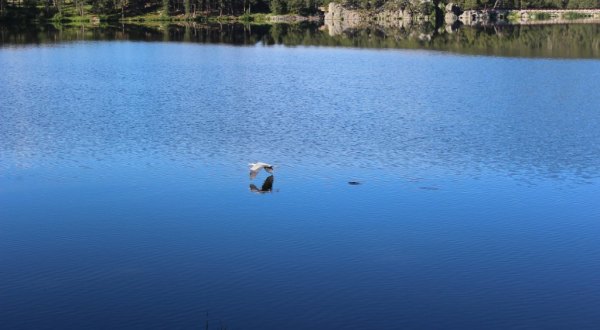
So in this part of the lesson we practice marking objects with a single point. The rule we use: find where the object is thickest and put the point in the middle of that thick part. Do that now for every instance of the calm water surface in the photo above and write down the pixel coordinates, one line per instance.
(125, 200)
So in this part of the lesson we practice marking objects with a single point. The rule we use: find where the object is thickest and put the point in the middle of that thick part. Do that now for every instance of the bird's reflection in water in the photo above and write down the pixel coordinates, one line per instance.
(267, 186)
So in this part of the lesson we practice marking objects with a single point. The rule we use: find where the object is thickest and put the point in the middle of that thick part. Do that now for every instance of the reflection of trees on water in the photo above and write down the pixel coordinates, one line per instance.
(570, 41)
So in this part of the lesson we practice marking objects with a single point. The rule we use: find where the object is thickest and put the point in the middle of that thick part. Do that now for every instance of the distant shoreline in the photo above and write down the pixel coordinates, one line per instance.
(452, 14)
(153, 18)
(526, 16)
(385, 15)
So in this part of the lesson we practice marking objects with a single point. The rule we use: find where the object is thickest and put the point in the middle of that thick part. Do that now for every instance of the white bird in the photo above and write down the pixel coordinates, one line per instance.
(256, 167)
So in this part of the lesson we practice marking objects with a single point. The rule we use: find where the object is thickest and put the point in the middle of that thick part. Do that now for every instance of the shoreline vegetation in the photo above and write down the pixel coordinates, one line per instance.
(348, 12)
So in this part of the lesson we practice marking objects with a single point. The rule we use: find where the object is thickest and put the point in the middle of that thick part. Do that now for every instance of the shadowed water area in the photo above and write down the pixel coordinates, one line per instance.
(411, 188)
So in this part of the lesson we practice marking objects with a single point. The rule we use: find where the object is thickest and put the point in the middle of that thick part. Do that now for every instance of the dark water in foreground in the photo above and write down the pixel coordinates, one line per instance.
(125, 200)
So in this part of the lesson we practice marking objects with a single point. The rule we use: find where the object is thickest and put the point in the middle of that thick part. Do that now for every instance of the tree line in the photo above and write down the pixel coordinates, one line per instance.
(196, 9)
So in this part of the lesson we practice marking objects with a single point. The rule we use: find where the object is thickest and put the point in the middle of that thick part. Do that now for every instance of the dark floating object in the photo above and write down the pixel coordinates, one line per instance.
(353, 183)
(429, 188)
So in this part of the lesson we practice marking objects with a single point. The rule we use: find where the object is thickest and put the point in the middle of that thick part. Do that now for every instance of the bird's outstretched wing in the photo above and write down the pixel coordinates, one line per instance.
(256, 166)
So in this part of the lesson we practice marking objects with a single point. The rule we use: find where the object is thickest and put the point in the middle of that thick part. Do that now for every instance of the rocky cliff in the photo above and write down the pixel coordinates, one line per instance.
(337, 17)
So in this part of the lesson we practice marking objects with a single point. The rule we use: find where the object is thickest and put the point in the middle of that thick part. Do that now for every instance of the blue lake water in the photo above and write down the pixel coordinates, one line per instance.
(125, 199)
